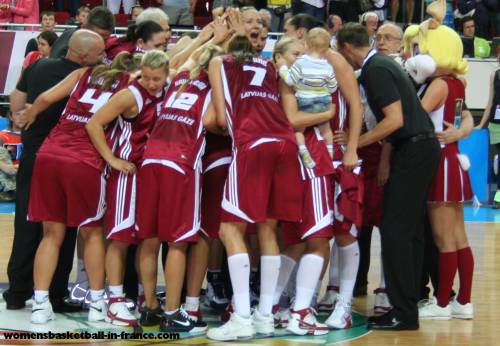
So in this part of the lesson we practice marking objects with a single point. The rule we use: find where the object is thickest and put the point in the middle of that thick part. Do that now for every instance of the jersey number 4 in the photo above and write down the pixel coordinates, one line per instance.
(96, 102)
(259, 74)
(185, 101)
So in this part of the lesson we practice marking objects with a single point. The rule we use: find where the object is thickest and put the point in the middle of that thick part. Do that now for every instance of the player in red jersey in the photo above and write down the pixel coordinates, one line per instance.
(443, 100)
(68, 186)
(134, 109)
(170, 187)
(257, 190)
(139, 38)
(215, 169)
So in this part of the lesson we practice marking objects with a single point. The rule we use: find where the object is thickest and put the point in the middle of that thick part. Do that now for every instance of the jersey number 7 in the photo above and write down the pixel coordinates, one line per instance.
(259, 74)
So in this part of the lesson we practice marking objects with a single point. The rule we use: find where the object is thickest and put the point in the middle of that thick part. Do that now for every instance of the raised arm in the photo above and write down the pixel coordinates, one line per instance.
(300, 119)
(121, 103)
(348, 86)
(54, 94)
(214, 75)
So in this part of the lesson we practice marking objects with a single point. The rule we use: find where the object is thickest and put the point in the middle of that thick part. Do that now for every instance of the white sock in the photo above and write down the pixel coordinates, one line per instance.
(382, 277)
(192, 303)
(302, 148)
(170, 313)
(239, 269)
(286, 269)
(116, 291)
(307, 278)
(140, 290)
(81, 273)
(349, 263)
(333, 273)
(269, 272)
(314, 300)
(41, 296)
(96, 295)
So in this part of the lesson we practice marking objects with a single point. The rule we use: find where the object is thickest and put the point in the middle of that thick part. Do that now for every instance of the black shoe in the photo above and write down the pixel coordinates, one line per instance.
(179, 322)
(65, 305)
(496, 205)
(389, 321)
(360, 291)
(151, 317)
(14, 302)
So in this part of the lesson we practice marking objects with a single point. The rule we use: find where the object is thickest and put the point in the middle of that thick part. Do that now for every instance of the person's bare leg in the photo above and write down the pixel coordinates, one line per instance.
(175, 268)
(115, 262)
(47, 254)
(394, 9)
(148, 263)
(410, 10)
(94, 253)
(197, 268)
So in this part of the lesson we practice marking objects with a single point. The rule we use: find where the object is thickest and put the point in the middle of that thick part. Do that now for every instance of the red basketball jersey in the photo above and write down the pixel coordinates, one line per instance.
(69, 137)
(252, 101)
(134, 133)
(178, 133)
(451, 111)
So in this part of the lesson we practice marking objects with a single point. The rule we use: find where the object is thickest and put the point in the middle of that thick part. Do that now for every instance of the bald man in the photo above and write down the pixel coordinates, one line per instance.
(86, 48)
(389, 39)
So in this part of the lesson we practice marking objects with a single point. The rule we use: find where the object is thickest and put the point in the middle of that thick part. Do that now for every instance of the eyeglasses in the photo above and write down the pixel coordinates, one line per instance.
(386, 37)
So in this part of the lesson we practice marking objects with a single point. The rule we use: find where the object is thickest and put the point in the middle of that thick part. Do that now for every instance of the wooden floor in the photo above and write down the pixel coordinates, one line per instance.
(484, 330)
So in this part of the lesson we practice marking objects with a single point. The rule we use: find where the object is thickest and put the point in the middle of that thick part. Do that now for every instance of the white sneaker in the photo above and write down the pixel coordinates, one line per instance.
(341, 316)
(263, 324)
(236, 328)
(432, 311)
(327, 303)
(303, 322)
(382, 303)
(41, 313)
(465, 311)
(281, 317)
(98, 311)
(119, 313)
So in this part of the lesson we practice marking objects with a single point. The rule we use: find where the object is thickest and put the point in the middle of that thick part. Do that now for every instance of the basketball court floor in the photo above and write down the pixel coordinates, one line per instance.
(483, 228)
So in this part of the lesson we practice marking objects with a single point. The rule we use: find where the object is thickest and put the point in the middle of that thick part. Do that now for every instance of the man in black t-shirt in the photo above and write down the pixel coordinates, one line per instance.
(86, 48)
(416, 154)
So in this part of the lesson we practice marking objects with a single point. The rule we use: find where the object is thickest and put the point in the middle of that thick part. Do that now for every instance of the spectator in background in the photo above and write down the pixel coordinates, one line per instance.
(280, 11)
(48, 22)
(81, 16)
(315, 8)
(10, 153)
(370, 21)
(474, 47)
(408, 15)
(23, 12)
(45, 41)
(73, 6)
(344, 9)
(136, 11)
(114, 6)
(334, 24)
(299, 25)
(481, 8)
(100, 21)
(266, 17)
(180, 12)
(491, 119)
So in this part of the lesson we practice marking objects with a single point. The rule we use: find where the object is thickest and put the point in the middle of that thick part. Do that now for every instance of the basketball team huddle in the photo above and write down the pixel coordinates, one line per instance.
(224, 145)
